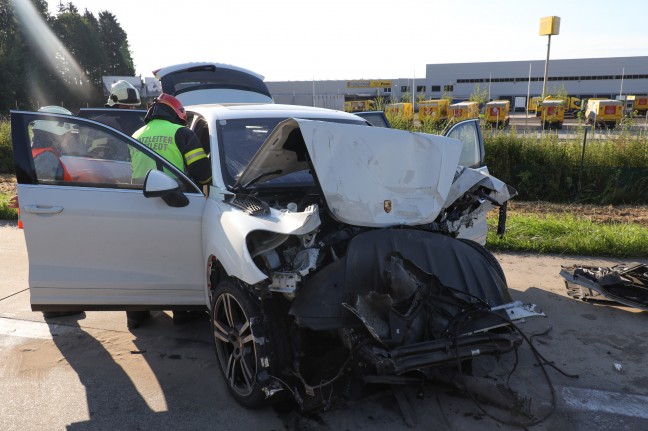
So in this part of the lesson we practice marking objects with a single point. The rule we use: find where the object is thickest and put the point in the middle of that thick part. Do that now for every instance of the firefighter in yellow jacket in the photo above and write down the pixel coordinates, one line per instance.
(166, 134)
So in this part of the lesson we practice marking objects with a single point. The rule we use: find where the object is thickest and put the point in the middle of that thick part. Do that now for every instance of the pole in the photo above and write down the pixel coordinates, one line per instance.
(621, 90)
(526, 121)
(313, 90)
(413, 90)
(489, 82)
(580, 171)
(544, 85)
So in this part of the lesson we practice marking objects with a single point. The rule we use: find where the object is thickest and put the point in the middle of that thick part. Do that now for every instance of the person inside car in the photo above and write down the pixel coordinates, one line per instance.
(122, 96)
(166, 133)
(48, 136)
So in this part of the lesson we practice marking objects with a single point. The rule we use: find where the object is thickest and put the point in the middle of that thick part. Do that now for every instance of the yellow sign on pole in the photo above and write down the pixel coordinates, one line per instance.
(549, 25)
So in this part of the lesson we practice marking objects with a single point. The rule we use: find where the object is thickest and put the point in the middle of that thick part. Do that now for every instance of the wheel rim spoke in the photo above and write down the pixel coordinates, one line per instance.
(231, 365)
(220, 332)
(247, 339)
(244, 328)
(247, 374)
(227, 306)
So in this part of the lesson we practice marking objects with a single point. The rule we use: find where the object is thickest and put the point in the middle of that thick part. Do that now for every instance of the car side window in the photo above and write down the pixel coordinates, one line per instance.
(471, 150)
(80, 154)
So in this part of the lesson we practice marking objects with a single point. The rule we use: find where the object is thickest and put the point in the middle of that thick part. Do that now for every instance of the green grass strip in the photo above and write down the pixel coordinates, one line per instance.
(6, 213)
(568, 234)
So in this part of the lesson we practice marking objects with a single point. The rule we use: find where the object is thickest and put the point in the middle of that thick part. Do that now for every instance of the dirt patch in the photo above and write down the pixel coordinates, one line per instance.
(597, 213)
(8, 184)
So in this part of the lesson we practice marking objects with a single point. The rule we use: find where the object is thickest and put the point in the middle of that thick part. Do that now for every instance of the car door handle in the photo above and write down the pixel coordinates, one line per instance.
(41, 209)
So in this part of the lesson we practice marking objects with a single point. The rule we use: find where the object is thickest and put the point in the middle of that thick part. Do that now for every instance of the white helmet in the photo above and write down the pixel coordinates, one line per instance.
(123, 93)
(56, 127)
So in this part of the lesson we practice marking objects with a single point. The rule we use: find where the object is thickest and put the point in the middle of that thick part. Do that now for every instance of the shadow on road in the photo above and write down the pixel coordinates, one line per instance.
(184, 393)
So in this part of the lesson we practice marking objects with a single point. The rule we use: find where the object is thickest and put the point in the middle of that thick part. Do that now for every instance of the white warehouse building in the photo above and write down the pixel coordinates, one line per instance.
(583, 78)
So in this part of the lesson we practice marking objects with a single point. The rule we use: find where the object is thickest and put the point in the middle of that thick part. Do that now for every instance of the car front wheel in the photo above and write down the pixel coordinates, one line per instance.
(233, 312)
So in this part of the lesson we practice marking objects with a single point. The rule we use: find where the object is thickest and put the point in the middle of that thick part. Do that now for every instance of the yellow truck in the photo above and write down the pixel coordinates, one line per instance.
(533, 104)
(433, 110)
(358, 105)
(463, 111)
(552, 113)
(497, 113)
(402, 111)
(572, 104)
(604, 112)
(641, 105)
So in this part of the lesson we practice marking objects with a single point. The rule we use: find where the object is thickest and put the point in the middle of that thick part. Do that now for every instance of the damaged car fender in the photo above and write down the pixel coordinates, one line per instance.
(226, 235)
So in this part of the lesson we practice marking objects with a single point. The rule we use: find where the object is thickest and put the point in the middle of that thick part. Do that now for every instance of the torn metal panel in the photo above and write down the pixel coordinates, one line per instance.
(626, 284)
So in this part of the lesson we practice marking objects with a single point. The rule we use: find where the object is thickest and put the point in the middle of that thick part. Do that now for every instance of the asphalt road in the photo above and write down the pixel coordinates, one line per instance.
(89, 372)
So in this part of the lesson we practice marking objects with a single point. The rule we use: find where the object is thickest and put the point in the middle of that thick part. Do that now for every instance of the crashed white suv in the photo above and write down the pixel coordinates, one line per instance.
(324, 247)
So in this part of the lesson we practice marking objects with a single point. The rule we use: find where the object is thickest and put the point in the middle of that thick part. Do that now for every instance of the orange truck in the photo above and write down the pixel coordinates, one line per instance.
(433, 110)
(463, 111)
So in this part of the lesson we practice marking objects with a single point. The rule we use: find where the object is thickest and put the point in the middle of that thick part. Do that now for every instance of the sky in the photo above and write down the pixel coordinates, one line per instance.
(292, 40)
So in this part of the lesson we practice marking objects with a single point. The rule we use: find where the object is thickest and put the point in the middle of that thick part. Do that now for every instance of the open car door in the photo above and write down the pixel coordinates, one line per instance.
(469, 133)
(94, 240)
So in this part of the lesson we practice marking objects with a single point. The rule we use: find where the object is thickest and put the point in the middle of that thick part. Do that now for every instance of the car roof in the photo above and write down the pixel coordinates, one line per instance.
(264, 110)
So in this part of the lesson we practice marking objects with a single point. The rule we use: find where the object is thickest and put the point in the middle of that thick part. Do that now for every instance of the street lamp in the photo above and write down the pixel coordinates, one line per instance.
(549, 25)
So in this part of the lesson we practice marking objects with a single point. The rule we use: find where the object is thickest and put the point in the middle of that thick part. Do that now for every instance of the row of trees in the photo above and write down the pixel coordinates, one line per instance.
(37, 68)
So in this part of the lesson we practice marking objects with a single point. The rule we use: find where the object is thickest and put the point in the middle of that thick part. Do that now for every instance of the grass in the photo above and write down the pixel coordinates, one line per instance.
(6, 213)
(568, 234)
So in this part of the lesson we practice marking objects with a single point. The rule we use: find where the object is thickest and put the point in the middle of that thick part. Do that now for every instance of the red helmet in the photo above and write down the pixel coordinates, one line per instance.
(173, 103)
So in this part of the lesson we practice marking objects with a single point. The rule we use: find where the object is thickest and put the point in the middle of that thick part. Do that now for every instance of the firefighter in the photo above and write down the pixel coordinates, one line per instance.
(166, 134)
(123, 95)
(48, 136)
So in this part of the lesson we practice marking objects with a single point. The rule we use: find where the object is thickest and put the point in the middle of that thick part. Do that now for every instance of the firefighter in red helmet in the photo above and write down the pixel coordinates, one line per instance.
(166, 134)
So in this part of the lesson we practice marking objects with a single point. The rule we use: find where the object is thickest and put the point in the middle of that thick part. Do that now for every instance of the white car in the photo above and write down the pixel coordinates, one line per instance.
(322, 245)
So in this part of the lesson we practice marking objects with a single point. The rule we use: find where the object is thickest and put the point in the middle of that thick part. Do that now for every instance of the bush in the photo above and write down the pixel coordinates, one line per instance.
(610, 171)
(6, 150)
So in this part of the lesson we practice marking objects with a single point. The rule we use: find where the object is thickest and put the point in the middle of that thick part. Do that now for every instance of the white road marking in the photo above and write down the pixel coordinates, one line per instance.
(30, 329)
(593, 400)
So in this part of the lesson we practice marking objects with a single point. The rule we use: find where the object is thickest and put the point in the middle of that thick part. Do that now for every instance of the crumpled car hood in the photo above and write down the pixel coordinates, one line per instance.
(369, 176)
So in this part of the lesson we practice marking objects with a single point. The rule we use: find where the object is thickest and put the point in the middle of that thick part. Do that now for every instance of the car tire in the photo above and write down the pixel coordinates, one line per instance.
(233, 313)
(489, 257)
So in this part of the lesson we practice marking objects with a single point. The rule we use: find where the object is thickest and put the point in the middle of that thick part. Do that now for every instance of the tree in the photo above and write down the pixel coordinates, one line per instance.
(114, 43)
(35, 69)
(17, 65)
(478, 95)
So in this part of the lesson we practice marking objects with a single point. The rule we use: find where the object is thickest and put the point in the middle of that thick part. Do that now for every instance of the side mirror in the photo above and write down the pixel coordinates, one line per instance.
(159, 185)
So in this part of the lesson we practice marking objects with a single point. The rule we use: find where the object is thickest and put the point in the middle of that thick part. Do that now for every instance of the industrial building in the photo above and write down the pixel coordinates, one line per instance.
(511, 80)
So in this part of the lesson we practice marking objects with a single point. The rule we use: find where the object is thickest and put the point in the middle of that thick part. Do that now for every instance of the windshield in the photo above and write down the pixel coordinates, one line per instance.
(239, 140)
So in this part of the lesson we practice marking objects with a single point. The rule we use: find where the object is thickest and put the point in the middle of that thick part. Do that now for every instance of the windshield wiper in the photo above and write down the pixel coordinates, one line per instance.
(256, 179)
